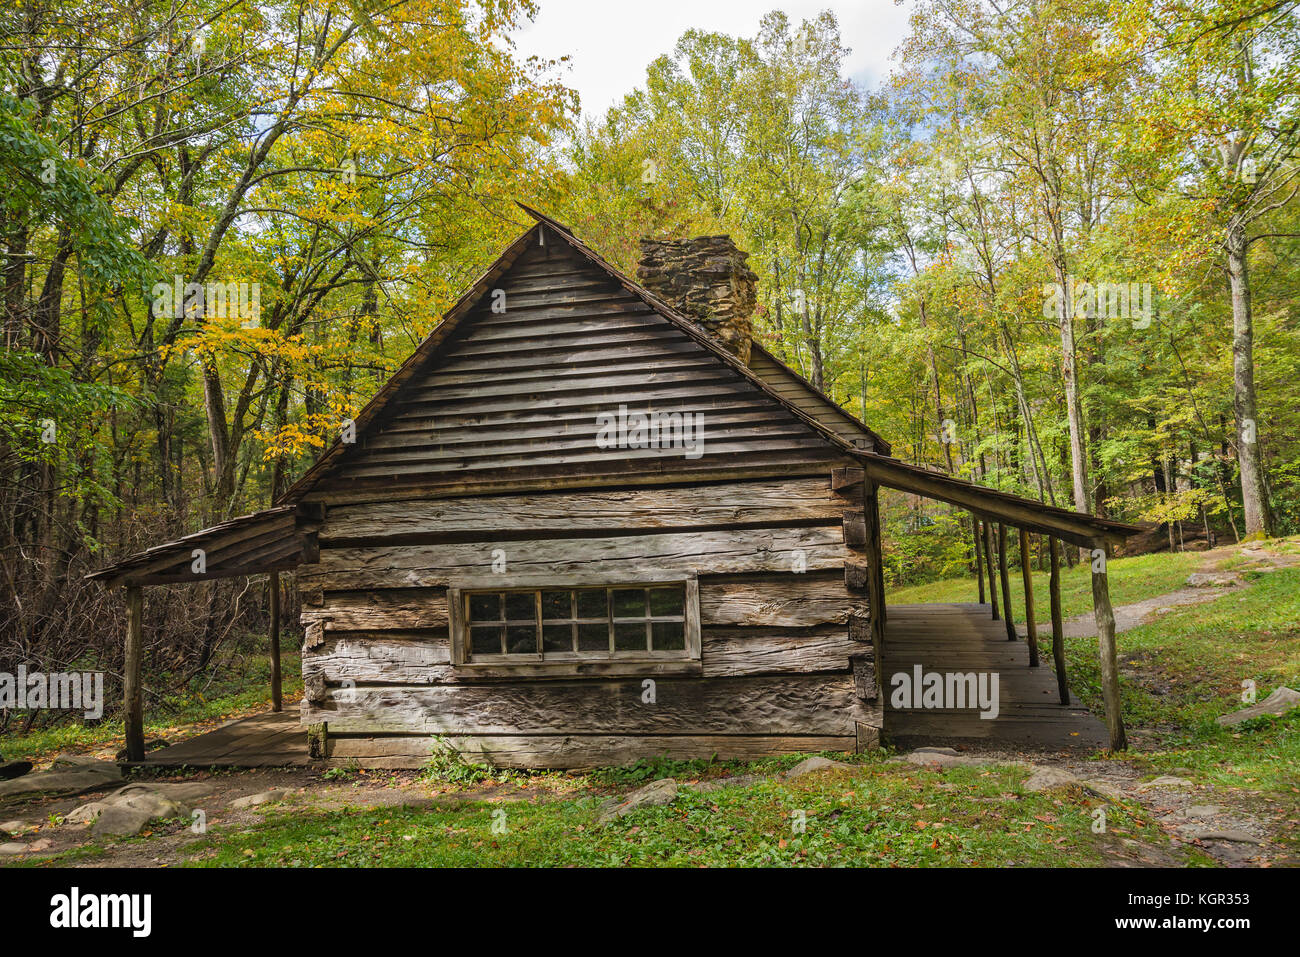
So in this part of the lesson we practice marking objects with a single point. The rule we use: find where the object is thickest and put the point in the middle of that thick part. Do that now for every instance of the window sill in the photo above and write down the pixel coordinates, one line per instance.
(603, 668)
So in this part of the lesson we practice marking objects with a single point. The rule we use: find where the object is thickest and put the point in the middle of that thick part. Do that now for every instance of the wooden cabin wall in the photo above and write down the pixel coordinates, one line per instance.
(787, 662)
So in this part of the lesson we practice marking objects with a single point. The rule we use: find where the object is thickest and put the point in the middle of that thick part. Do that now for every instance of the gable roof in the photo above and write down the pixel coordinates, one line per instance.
(836, 429)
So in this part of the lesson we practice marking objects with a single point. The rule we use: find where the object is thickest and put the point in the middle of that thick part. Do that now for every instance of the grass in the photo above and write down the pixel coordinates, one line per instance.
(1131, 580)
(1187, 667)
(179, 714)
(874, 814)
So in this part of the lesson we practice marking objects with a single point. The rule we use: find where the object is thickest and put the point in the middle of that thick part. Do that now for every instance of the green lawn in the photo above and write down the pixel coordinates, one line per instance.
(1131, 580)
(875, 814)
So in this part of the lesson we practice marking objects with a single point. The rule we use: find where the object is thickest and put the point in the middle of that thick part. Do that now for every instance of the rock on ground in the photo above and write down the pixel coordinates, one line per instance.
(1212, 580)
(1193, 832)
(815, 763)
(261, 797)
(1279, 702)
(1165, 781)
(66, 775)
(663, 791)
(945, 758)
(127, 810)
(1044, 779)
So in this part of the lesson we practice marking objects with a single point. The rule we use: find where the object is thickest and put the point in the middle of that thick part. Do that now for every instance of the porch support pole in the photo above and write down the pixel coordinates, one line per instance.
(990, 565)
(132, 692)
(1026, 575)
(1058, 624)
(1105, 616)
(1005, 576)
(871, 511)
(979, 558)
(875, 567)
(273, 582)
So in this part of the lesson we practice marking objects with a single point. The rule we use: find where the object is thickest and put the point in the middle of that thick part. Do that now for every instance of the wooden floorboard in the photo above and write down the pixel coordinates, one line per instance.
(265, 740)
(965, 638)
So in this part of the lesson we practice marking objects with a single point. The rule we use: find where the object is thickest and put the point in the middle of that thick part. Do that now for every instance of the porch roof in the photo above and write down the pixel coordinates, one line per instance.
(276, 539)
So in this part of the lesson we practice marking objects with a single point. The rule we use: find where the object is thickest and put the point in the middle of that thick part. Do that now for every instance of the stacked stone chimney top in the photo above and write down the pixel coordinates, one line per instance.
(707, 279)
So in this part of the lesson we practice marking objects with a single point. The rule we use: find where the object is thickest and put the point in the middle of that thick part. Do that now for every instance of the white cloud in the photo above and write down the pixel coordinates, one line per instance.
(611, 43)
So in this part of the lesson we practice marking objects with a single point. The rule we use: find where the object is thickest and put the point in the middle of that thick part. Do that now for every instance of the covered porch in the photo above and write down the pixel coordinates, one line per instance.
(965, 638)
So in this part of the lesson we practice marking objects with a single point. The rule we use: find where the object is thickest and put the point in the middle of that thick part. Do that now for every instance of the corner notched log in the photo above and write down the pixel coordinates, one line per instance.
(318, 741)
(868, 737)
(864, 677)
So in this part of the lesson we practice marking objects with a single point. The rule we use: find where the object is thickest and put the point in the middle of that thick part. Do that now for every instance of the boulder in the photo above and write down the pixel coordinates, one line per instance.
(10, 848)
(66, 775)
(1198, 811)
(663, 791)
(1279, 702)
(815, 763)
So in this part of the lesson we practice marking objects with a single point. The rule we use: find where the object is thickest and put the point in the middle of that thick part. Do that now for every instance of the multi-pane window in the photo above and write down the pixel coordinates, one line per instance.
(576, 623)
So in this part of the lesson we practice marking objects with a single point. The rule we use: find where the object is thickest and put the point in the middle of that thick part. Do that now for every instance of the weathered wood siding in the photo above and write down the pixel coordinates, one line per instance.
(783, 644)
(517, 392)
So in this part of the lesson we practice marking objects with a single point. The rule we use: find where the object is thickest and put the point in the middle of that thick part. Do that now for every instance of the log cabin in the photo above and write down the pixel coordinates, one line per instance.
(591, 520)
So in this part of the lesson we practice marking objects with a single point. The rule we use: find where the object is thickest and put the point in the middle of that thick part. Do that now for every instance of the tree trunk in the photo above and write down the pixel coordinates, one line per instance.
(1254, 497)
(1073, 401)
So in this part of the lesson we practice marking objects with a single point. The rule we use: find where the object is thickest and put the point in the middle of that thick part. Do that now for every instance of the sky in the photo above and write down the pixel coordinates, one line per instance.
(611, 42)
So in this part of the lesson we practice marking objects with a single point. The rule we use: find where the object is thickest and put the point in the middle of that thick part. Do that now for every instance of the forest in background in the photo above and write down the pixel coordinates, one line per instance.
(1053, 252)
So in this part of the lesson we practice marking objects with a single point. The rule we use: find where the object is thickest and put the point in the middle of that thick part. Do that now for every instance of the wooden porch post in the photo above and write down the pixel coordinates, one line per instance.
(989, 564)
(1106, 649)
(1026, 576)
(871, 511)
(1058, 625)
(276, 699)
(132, 693)
(1004, 575)
(979, 559)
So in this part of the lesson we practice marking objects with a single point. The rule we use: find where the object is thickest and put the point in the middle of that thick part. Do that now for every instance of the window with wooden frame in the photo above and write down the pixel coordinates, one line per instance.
(576, 624)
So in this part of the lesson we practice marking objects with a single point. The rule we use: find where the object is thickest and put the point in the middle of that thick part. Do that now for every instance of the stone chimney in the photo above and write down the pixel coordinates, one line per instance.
(707, 279)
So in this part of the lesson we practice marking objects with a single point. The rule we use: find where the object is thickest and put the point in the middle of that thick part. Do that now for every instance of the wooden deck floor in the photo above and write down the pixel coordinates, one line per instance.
(964, 638)
(262, 741)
